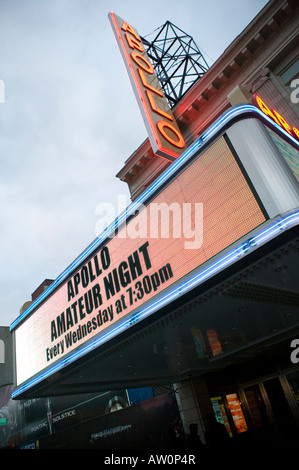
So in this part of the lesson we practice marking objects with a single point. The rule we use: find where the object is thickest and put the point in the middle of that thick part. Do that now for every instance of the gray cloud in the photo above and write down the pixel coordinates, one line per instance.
(70, 120)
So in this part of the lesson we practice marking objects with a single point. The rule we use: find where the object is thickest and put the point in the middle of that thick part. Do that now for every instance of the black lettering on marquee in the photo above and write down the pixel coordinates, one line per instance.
(121, 276)
(70, 291)
(146, 258)
(165, 273)
(88, 273)
(127, 271)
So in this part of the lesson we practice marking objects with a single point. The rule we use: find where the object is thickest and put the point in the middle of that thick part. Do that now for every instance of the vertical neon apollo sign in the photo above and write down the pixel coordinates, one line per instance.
(164, 134)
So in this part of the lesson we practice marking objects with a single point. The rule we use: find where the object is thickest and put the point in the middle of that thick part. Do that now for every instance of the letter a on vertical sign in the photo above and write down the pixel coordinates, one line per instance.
(165, 136)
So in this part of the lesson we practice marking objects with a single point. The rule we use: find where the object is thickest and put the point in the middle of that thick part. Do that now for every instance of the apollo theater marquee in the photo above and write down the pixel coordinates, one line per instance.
(97, 324)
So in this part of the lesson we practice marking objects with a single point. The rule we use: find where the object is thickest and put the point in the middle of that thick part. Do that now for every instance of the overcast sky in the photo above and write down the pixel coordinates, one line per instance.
(70, 120)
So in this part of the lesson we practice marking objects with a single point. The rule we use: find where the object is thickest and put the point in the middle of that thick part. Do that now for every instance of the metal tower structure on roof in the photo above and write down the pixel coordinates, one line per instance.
(176, 59)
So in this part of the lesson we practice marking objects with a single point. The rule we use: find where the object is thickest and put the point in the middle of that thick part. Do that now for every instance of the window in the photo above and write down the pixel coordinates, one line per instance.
(290, 73)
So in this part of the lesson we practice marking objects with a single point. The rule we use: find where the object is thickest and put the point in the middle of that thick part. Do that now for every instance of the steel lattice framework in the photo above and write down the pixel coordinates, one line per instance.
(177, 60)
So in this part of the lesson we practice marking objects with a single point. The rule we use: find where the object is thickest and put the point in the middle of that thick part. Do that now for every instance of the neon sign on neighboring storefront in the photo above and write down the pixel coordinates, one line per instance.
(276, 117)
(165, 136)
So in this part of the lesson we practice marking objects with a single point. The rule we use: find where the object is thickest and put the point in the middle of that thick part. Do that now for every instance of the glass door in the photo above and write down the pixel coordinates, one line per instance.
(293, 380)
(280, 408)
(256, 406)
(292, 386)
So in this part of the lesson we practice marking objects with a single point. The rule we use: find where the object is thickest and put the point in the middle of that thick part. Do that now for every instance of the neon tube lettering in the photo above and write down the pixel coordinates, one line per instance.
(133, 43)
(154, 106)
(162, 125)
(140, 61)
(127, 27)
(146, 84)
(276, 117)
(164, 134)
